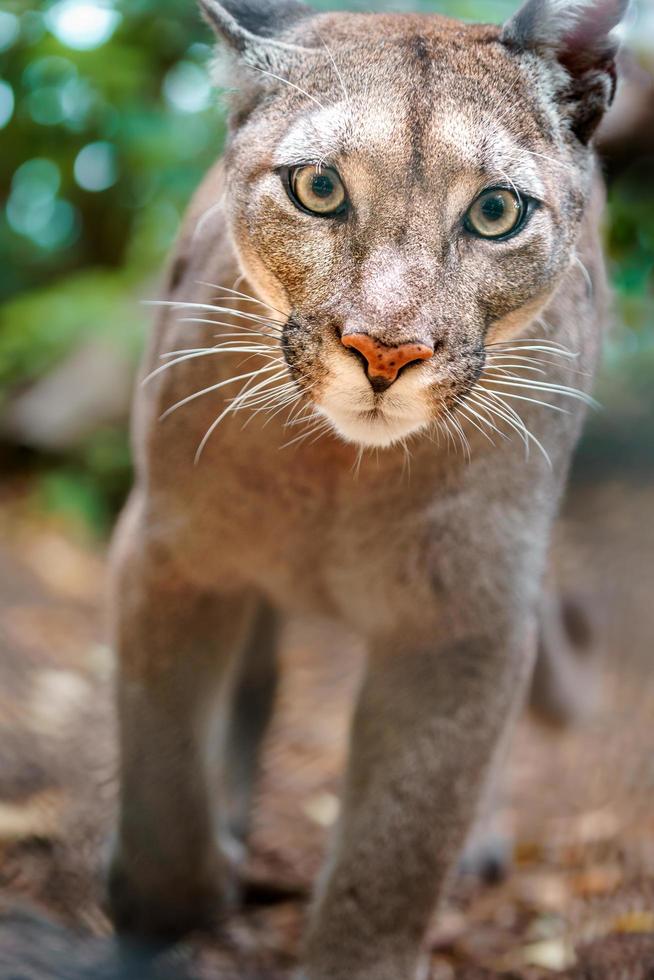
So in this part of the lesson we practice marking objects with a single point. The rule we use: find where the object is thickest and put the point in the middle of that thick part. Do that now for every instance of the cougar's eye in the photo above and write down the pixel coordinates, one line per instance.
(496, 213)
(318, 190)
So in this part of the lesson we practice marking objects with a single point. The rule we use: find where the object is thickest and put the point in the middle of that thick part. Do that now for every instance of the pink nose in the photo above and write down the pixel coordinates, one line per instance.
(384, 362)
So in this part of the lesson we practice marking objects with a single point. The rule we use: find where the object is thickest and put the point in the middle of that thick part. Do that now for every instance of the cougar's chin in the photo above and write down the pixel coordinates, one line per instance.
(372, 429)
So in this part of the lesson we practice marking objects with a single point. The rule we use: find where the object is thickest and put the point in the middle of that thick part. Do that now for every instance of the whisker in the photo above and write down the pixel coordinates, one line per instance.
(230, 408)
(322, 425)
(291, 400)
(248, 395)
(543, 156)
(286, 81)
(586, 274)
(236, 327)
(247, 296)
(232, 346)
(462, 411)
(205, 352)
(503, 366)
(212, 308)
(533, 344)
(513, 419)
(268, 399)
(512, 186)
(406, 459)
(513, 381)
(528, 433)
(484, 420)
(459, 431)
(534, 401)
(340, 77)
(215, 387)
(206, 216)
(517, 360)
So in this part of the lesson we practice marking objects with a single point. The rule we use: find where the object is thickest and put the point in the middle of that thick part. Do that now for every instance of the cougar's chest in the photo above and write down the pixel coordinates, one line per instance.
(301, 524)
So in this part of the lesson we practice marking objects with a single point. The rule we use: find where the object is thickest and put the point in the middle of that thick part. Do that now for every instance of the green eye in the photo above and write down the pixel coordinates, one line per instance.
(316, 189)
(497, 213)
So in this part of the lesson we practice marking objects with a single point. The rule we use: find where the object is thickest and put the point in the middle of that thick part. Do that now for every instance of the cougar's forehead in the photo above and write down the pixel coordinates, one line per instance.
(385, 147)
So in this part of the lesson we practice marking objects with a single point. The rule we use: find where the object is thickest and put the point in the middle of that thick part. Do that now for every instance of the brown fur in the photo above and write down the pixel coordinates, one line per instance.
(439, 569)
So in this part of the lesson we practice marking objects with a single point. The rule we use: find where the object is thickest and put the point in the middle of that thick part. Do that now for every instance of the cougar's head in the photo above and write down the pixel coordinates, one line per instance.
(408, 189)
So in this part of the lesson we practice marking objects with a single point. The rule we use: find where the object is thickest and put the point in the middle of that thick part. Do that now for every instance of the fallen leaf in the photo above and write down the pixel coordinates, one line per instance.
(637, 921)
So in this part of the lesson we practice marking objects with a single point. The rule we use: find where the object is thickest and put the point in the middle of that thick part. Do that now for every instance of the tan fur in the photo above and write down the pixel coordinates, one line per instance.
(439, 568)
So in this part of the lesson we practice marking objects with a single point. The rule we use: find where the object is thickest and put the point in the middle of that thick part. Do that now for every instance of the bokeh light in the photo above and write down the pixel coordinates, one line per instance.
(9, 29)
(6, 103)
(82, 24)
(187, 87)
(96, 167)
(34, 209)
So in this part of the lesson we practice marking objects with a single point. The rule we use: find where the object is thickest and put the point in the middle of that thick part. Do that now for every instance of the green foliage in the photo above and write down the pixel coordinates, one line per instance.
(630, 244)
(38, 328)
(112, 128)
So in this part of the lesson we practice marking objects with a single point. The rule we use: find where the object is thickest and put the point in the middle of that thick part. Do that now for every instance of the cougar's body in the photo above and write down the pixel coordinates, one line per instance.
(310, 526)
(351, 228)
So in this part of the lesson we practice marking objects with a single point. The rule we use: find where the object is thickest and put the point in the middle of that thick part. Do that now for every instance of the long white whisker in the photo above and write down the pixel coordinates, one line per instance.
(212, 308)
(517, 361)
(482, 419)
(322, 424)
(459, 431)
(291, 400)
(232, 346)
(340, 77)
(235, 329)
(229, 409)
(503, 366)
(247, 296)
(286, 81)
(586, 274)
(541, 345)
(205, 352)
(543, 156)
(464, 411)
(206, 216)
(220, 384)
(294, 417)
(272, 407)
(534, 401)
(509, 416)
(524, 428)
(250, 393)
(512, 381)
(267, 399)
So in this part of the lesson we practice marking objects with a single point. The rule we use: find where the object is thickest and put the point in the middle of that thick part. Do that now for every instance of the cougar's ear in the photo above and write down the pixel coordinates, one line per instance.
(251, 28)
(579, 35)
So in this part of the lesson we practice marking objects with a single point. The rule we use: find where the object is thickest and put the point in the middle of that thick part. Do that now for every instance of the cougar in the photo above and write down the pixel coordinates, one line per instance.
(359, 401)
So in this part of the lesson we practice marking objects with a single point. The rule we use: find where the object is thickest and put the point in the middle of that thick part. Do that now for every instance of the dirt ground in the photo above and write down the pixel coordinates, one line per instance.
(578, 904)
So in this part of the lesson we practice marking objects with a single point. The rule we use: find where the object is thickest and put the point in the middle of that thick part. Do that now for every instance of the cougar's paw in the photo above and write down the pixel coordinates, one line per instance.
(164, 908)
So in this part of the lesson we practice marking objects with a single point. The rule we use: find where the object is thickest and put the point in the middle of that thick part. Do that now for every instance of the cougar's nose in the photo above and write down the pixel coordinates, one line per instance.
(384, 362)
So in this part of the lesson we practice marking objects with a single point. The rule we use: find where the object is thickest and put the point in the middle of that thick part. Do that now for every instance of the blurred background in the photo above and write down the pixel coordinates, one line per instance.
(107, 124)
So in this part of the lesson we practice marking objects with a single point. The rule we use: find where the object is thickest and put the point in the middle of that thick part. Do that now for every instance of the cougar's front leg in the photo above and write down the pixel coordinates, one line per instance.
(174, 644)
(429, 721)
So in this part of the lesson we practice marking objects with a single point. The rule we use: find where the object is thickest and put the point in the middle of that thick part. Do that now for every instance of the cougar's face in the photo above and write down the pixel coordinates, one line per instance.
(405, 213)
